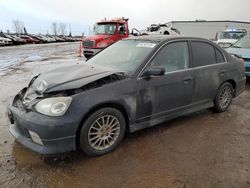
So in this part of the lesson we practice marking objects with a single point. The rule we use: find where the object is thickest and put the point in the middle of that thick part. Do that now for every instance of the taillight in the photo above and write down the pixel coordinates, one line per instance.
(242, 60)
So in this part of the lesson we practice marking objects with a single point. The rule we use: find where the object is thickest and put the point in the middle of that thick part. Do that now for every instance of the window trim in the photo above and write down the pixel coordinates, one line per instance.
(213, 45)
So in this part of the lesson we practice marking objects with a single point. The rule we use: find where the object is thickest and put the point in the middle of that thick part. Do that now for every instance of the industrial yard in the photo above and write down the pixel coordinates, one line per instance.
(203, 149)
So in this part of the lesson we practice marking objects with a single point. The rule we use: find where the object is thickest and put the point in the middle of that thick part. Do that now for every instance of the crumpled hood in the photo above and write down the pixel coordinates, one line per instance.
(243, 52)
(72, 76)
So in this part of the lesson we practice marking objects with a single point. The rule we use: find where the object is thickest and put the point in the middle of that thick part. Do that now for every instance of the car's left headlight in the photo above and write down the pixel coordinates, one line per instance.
(56, 106)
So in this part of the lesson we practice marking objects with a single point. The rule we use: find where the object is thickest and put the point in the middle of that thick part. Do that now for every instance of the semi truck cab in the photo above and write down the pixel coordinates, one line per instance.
(106, 32)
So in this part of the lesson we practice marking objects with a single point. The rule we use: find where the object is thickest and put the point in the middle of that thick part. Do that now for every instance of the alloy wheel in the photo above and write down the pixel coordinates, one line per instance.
(225, 97)
(104, 132)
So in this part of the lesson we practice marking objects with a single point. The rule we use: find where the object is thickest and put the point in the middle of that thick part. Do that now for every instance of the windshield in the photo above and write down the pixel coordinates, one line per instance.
(153, 28)
(105, 28)
(230, 35)
(243, 43)
(124, 55)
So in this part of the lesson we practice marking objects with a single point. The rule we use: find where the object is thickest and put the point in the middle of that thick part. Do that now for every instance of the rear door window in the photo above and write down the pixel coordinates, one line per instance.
(219, 56)
(203, 54)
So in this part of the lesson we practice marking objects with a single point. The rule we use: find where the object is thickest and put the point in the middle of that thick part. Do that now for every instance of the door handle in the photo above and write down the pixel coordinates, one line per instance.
(186, 80)
(222, 72)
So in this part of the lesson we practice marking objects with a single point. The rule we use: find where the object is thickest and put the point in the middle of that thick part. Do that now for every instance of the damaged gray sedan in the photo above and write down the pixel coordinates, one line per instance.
(133, 84)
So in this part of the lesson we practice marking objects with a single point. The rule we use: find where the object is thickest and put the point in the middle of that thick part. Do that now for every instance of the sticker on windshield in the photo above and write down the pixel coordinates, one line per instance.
(145, 45)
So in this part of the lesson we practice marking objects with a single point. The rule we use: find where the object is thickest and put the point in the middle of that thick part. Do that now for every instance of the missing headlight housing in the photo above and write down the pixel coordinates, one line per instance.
(42, 86)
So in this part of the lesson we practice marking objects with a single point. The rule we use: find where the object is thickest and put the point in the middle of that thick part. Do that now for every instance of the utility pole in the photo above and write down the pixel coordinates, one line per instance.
(70, 30)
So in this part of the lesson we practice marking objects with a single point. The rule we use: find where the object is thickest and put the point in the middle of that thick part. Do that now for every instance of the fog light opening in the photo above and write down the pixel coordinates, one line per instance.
(35, 137)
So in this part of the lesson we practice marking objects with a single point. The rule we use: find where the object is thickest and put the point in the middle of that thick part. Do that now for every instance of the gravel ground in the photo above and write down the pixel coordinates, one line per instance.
(202, 149)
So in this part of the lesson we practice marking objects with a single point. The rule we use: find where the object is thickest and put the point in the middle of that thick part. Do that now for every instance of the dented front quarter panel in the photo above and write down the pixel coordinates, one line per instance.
(121, 93)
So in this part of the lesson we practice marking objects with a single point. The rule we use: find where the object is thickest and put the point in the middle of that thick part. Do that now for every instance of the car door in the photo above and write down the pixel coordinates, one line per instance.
(172, 92)
(210, 70)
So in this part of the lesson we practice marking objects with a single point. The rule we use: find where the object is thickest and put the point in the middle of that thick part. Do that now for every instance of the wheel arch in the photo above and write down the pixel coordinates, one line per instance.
(233, 83)
(115, 105)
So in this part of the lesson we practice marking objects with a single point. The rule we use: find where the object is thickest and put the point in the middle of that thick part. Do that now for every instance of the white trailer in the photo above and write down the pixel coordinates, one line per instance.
(207, 29)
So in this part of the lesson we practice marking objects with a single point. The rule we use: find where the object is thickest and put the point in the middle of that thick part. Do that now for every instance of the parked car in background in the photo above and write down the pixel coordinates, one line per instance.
(30, 40)
(160, 29)
(52, 39)
(15, 41)
(40, 38)
(59, 39)
(6, 41)
(2, 43)
(242, 50)
(133, 84)
(227, 38)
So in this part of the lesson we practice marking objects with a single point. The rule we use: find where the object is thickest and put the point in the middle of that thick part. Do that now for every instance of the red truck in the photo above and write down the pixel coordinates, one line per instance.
(106, 32)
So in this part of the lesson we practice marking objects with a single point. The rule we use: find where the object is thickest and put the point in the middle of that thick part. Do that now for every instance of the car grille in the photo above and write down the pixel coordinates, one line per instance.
(88, 44)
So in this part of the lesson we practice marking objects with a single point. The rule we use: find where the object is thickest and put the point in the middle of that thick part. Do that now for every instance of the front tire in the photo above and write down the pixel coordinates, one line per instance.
(102, 132)
(223, 97)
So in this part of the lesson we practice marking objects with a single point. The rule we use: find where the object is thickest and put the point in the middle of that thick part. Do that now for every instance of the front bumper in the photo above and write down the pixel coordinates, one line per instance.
(55, 133)
(247, 69)
(91, 51)
(240, 86)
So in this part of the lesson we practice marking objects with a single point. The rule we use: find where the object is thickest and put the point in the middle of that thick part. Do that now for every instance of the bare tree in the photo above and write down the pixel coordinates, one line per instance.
(62, 28)
(17, 26)
(54, 28)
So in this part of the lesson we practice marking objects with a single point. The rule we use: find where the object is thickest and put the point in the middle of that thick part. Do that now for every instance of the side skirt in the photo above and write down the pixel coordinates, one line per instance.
(138, 126)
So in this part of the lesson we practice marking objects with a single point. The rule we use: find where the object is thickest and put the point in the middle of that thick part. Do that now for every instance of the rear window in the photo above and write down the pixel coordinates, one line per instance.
(219, 56)
(203, 54)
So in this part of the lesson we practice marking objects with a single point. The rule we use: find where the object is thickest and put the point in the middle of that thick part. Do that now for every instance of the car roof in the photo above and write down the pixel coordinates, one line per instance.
(162, 38)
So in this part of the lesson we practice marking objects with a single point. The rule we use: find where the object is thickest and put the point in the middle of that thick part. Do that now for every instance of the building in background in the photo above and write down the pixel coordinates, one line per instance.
(207, 29)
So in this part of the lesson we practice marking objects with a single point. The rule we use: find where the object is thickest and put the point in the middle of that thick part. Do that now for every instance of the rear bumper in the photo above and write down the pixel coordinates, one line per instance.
(240, 86)
(51, 132)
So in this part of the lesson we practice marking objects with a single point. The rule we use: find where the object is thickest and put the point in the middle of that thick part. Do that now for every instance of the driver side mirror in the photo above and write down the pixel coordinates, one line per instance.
(153, 71)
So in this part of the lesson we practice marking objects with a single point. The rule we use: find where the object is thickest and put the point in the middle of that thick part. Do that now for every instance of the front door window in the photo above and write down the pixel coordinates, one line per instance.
(173, 57)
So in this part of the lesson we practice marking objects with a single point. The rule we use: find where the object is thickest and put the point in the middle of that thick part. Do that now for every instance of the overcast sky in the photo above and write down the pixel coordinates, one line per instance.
(82, 14)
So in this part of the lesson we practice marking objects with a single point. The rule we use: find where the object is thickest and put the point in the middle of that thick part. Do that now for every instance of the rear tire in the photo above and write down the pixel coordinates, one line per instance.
(102, 132)
(223, 97)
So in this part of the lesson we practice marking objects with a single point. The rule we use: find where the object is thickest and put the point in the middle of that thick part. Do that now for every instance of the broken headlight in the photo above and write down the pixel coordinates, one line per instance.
(42, 86)
(56, 106)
